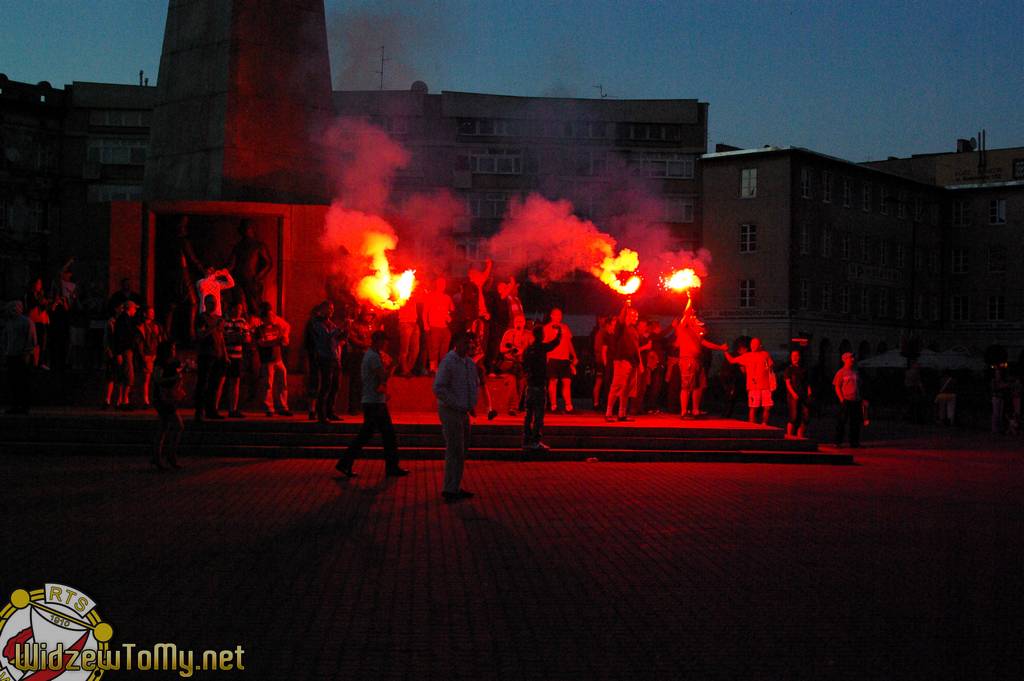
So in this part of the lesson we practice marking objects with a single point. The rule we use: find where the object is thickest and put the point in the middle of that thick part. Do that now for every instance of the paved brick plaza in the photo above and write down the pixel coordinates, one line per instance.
(909, 563)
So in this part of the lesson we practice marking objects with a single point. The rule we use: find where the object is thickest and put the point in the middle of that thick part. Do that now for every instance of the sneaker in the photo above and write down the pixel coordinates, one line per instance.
(513, 412)
(396, 472)
(236, 414)
(268, 413)
(215, 416)
(312, 416)
(286, 412)
(609, 418)
(492, 414)
(626, 418)
(333, 417)
(537, 446)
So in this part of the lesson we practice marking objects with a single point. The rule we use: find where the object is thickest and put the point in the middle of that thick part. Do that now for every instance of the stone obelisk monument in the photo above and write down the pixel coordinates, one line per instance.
(243, 94)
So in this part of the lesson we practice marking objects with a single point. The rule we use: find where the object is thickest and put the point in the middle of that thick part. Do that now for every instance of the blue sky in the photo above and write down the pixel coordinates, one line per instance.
(859, 80)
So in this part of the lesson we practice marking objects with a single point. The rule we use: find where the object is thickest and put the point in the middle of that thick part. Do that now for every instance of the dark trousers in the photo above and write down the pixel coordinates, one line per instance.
(849, 413)
(327, 390)
(533, 422)
(376, 418)
(354, 368)
(209, 371)
(19, 372)
(799, 411)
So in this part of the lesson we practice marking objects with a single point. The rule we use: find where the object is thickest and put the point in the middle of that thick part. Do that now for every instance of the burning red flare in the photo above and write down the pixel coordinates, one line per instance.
(681, 280)
(627, 261)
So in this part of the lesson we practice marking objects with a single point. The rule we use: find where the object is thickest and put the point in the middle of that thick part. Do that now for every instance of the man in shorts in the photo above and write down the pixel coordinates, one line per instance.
(561, 362)
(690, 343)
(758, 366)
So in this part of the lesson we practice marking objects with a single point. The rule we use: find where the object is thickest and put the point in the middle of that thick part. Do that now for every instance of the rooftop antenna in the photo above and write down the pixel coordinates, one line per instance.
(600, 91)
(383, 60)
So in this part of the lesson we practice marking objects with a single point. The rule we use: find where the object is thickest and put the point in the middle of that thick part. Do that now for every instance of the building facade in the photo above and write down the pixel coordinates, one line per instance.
(601, 154)
(67, 153)
(810, 246)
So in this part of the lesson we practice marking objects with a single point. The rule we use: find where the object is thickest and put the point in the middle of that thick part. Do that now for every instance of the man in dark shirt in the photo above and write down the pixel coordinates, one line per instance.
(798, 396)
(624, 353)
(212, 360)
(535, 366)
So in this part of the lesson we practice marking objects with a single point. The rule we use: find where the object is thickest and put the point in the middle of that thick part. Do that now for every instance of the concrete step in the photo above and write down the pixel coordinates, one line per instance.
(314, 436)
(142, 450)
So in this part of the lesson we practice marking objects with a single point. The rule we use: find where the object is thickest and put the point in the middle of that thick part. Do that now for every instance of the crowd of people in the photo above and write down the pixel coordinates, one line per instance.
(463, 331)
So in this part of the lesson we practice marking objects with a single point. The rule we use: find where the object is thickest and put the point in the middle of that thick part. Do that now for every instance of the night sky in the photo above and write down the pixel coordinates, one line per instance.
(859, 80)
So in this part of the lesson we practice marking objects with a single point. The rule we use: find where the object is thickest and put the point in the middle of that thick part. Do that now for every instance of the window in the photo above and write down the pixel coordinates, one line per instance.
(679, 209)
(959, 264)
(826, 243)
(883, 200)
(918, 260)
(901, 204)
(933, 261)
(996, 259)
(805, 183)
(883, 302)
(997, 212)
(901, 305)
(497, 162)
(996, 308)
(117, 151)
(901, 256)
(99, 193)
(826, 186)
(865, 197)
(961, 213)
(847, 193)
(747, 291)
(590, 163)
(883, 253)
(934, 305)
(844, 247)
(826, 297)
(865, 249)
(748, 183)
(959, 309)
(918, 209)
(4, 219)
(919, 306)
(496, 127)
(488, 205)
(662, 164)
(748, 238)
(805, 239)
(865, 301)
(844, 299)
(805, 294)
(116, 118)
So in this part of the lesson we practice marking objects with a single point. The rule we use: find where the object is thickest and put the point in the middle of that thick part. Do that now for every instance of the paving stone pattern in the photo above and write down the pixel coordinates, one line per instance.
(908, 564)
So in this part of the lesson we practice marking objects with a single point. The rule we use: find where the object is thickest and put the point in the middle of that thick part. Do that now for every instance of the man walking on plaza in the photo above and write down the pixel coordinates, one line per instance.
(758, 365)
(535, 366)
(456, 387)
(848, 390)
(376, 368)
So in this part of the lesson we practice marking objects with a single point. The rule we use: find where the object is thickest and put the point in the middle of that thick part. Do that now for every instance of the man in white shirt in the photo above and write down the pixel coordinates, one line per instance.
(212, 284)
(457, 388)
